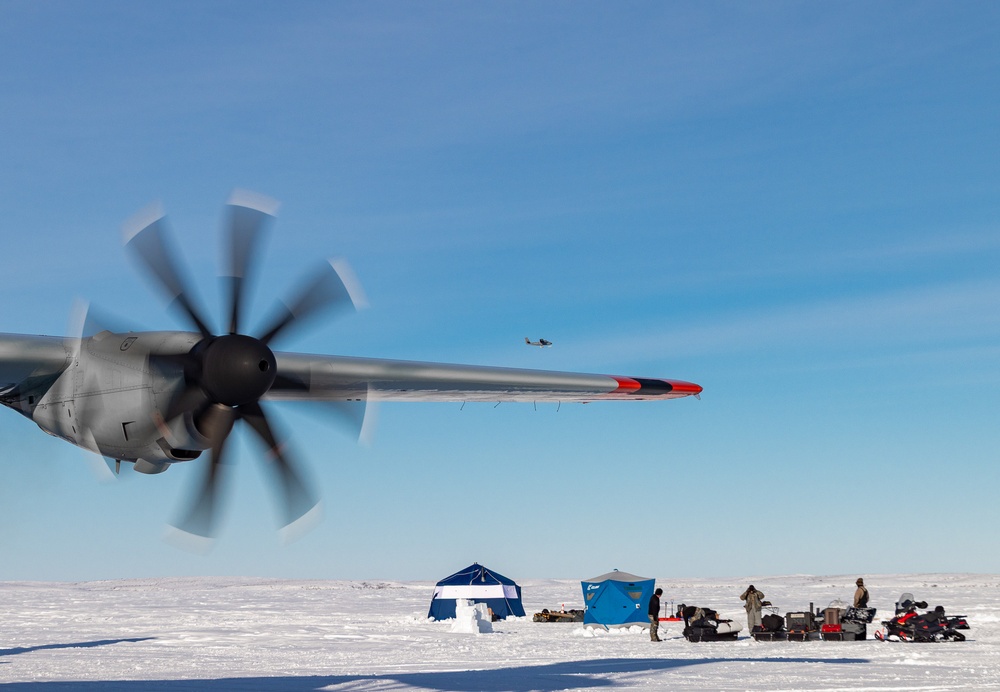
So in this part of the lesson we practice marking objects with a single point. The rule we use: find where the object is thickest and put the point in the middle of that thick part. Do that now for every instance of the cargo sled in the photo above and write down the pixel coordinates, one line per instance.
(558, 616)
(705, 625)
(771, 629)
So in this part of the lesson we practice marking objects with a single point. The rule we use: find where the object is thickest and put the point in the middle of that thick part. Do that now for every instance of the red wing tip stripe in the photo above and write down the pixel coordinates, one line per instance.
(686, 387)
(639, 385)
(627, 384)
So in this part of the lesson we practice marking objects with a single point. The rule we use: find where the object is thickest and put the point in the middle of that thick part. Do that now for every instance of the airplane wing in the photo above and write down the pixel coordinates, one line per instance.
(26, 361)
(345, 378)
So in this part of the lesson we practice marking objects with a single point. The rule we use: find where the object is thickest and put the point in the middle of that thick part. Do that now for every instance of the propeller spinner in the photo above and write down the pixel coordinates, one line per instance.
(226, 376)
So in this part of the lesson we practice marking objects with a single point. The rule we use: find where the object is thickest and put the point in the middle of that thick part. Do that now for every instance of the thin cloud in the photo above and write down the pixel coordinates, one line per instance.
(949, 313)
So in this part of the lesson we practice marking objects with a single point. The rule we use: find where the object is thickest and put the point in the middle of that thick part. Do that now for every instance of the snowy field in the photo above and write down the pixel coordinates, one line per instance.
(257, 634)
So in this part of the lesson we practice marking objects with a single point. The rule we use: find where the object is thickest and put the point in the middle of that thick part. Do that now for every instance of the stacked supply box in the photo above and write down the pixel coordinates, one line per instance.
(801, 626)
(831, 630)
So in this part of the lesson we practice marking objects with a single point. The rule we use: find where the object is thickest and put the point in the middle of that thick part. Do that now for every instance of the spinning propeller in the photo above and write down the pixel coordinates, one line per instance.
(225, 376)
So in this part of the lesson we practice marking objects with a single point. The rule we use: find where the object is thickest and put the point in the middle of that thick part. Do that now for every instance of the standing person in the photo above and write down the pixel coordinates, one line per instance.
(861, 595)
(654, 615)
(752, 604)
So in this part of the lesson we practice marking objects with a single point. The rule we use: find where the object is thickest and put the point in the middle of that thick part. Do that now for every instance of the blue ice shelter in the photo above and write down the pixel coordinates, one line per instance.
(479, 585)
(616, 598)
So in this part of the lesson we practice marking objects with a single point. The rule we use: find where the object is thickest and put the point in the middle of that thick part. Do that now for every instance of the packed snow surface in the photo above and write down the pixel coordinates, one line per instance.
(259, 634)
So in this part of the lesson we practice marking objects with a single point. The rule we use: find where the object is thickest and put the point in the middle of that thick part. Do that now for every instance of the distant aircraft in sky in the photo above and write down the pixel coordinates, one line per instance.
(541, 342)
(153, 399)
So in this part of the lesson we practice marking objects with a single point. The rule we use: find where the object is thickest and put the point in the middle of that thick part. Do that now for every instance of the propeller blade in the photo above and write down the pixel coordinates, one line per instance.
(88, 408)
(297, 501)
(190, 398)
(88, 319)
(185, 369)
(333, 288)
(357, 415)
(216, 424)
(352, 416)
(249, 214)
(147, 237)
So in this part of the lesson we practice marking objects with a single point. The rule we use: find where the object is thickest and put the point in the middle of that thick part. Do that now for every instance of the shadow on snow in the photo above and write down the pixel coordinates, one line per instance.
(74, 645)
(550, 677)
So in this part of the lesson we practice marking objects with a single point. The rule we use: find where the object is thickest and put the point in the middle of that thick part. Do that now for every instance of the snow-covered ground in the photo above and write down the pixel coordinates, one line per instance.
(258, 634)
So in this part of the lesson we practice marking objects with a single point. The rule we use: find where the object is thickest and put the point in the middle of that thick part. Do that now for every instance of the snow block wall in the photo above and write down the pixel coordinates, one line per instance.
(471, 618)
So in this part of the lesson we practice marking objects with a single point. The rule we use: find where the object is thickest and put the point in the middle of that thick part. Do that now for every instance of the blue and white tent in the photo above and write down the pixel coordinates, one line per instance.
(616, 598)
(479, 585)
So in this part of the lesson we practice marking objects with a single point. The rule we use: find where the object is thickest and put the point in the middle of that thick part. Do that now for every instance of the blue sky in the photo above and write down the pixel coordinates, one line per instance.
(794, 205)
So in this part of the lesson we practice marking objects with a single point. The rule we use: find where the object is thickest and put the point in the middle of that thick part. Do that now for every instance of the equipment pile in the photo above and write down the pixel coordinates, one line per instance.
(834, 623)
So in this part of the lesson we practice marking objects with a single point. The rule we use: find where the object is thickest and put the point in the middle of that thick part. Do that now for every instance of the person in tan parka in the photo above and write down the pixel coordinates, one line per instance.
(752, 603)
(861, 595)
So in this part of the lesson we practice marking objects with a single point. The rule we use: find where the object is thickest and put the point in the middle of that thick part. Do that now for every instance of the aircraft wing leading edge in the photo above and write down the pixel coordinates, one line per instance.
(26, 359)
(340, 378)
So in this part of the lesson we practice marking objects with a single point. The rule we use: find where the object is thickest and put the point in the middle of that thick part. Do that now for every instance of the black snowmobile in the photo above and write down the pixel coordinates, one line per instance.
(932, 626)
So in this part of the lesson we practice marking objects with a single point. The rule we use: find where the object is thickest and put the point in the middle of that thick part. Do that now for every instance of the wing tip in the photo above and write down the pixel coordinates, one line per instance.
(642, 387)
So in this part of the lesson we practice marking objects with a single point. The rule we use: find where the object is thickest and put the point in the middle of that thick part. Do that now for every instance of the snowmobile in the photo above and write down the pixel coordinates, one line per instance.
(932, 626)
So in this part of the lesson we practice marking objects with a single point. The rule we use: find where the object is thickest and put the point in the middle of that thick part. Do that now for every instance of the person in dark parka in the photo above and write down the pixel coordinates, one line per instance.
(654, 615)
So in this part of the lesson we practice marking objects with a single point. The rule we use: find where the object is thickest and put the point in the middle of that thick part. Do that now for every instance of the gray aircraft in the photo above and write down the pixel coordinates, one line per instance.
(154, 399)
